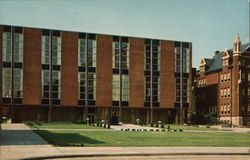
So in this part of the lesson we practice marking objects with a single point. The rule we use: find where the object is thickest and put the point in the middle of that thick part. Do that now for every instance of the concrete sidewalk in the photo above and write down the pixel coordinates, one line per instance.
(235, 129)
(19, 142)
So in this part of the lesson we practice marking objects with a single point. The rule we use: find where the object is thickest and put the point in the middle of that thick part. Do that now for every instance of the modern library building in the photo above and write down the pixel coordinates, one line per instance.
(53, 75)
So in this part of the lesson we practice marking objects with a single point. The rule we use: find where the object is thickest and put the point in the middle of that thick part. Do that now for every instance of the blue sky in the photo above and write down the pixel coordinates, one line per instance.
(209, 24)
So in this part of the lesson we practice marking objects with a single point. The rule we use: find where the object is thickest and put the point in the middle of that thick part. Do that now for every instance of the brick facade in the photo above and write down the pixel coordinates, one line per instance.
(104, 71)
(136, 81)
(221, 88)
(32, 67)
(68, 108)
(69, 72)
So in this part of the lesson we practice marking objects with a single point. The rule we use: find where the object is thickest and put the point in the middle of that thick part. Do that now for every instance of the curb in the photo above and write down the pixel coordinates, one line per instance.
(132, 154)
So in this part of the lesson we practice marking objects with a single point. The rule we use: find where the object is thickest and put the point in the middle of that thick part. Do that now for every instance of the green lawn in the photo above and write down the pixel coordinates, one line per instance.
(61, 126)
(181, 126)
(116, 138)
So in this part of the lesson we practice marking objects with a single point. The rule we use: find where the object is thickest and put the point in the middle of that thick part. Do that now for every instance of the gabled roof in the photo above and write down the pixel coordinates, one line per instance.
(208, 61)
(215, 63)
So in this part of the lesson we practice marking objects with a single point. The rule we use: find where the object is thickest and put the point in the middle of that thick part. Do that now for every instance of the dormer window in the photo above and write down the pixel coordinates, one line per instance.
(202, 65)
(225, 62)
(225, 58)
(202, 68)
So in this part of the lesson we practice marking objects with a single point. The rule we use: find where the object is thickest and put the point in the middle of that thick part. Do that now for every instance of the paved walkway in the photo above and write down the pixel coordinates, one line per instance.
(235, 129)
(19, 142)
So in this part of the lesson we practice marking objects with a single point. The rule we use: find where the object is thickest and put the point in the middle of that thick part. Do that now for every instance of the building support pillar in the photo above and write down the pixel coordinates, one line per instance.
(50, 114)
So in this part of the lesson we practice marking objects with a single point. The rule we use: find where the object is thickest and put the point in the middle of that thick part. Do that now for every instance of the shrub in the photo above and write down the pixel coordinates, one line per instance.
(208, 118)
(29, 123)
(80, 121)
(38, 123)
(162, 126)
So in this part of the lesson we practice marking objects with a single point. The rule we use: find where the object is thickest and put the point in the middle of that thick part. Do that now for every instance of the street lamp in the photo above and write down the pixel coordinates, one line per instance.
(87, 120)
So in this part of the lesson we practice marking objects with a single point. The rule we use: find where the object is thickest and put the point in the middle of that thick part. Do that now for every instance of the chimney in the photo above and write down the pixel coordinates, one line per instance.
(216, 52)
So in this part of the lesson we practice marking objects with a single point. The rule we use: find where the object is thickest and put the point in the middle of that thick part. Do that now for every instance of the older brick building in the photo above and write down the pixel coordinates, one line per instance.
(223, 84)
(52, 75)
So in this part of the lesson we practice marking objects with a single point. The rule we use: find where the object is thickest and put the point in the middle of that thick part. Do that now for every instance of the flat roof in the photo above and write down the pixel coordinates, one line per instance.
(94, 33)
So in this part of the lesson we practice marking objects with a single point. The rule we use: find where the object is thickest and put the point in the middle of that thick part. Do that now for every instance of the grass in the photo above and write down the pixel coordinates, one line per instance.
(60, 126)
(181, 126)
(114, 138)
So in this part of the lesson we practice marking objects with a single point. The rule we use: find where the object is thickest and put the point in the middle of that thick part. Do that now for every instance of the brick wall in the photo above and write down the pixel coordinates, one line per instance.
(104, 71)
(167, 76)
(32, 67)
(136, 73)
(69, 70)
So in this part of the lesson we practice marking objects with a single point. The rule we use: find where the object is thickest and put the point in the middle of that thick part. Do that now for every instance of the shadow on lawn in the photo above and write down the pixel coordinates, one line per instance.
(20, 137)
(66, 139)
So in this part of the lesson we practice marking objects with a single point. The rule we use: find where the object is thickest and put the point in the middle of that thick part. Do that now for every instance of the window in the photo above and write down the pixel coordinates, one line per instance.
(51, 55)
(221, 77)
(225, 92)
(124, 55)
(177, 91)
(222, 109)
(228, 92)
(51, 48)
(125, 87)
(186, 53)
(82, 52)
(147, 61)
(225, 62)
(18, 83)
(152, 64)
(225, 109)
(156, 89)
(12, 49)
(7, 49)
(147, 89)
(120, 61)
(156, 58)
(185, 89)
(56, 85)
(228, 108)
(116, 54)
(18, 47)
(222, 93)
(45, 84)
(177, 59)
(6, 84)
(225, 77)
(45, 49)
(91, 53)
(56, 50)
(228, 76)
(82, 86)
(91, 86)
(116, 87)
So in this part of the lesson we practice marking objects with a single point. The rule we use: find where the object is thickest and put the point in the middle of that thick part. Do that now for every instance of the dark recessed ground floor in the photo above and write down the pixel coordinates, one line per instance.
(22, 113)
